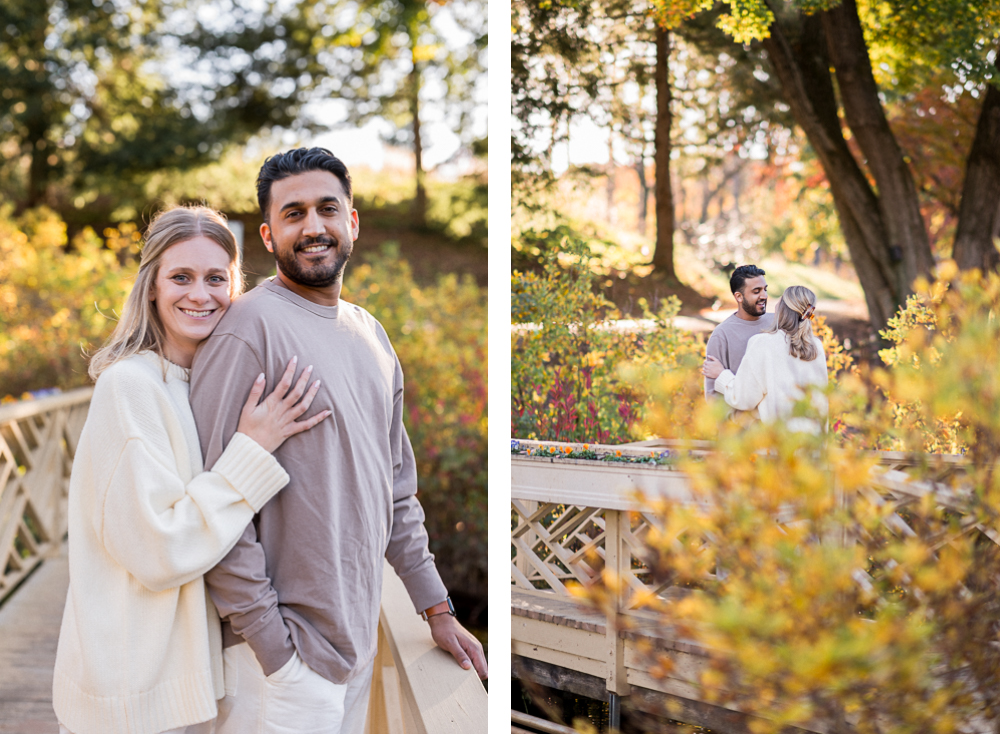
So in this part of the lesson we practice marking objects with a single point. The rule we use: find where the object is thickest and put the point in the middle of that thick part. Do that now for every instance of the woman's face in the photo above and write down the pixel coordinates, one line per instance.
(190, 294)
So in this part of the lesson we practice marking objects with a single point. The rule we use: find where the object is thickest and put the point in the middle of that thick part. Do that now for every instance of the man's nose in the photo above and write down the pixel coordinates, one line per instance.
(313, 224)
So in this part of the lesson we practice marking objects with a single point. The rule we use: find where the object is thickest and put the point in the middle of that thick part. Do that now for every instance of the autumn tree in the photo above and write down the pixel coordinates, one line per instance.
(574, 58)
(820, 52)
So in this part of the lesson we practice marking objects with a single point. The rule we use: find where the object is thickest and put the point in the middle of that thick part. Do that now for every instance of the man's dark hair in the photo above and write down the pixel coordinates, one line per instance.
(741, 275)
(294, 162)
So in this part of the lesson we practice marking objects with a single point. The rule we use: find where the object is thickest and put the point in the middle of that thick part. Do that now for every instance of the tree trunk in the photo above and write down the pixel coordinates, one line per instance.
(420, 196)
(803, 71)
(898, 202)
(977, 215)
(609, 195)
(663, 255)
(39, 167)
(640, 171)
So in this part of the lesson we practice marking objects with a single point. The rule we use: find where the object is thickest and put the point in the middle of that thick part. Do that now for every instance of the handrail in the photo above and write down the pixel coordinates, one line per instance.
(417, 678)
(38, 440)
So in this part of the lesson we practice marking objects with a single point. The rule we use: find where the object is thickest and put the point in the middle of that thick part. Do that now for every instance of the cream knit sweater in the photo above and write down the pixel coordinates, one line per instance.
(771, 380)
(140, 648)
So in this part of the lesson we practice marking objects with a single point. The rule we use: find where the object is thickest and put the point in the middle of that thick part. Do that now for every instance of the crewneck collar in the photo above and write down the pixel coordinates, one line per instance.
(278, 288)
(170, 369)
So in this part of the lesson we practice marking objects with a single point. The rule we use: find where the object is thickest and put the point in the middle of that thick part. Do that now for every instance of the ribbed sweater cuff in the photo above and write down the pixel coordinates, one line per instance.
(252, 471)
(723, 380)
(270, 642)
(425, 588)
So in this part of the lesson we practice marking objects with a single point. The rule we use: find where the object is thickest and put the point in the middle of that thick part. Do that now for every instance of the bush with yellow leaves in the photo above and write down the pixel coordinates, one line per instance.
(57, 301)
(827, 591)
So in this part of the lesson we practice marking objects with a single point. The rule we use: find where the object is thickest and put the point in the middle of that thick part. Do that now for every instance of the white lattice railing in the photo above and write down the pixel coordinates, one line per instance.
(38, 439)
(573, 518)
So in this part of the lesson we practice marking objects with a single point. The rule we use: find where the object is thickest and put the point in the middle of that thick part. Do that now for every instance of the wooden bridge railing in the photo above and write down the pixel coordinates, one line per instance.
(573, 518)
(417, 688)
(38, 440)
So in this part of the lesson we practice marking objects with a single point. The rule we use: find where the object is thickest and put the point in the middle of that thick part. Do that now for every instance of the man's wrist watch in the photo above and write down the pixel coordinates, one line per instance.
(445, 607)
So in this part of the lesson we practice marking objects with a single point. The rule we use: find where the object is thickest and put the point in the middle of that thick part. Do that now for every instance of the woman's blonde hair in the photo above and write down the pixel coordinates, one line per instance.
(793, 315)
(139, 328)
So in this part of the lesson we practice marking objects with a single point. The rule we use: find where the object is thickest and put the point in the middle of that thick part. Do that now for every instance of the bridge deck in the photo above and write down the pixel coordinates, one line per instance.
(29, 630)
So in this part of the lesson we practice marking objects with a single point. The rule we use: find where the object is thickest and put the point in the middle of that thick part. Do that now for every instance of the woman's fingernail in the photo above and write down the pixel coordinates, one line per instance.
(316, 384)
(295, 359)
(260, 377)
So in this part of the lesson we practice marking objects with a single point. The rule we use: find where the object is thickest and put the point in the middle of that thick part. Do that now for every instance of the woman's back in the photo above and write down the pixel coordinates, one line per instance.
(772, 380)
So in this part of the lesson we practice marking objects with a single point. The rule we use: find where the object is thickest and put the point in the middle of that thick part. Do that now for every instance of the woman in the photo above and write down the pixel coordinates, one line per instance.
(778, 364)
(140, 648)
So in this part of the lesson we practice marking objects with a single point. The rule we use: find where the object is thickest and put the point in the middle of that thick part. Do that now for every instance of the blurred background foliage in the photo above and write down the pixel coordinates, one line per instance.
(840, 616)
(111, 111)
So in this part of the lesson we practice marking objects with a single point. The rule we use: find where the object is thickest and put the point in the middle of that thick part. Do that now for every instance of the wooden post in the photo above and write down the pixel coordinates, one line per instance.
(614, 557)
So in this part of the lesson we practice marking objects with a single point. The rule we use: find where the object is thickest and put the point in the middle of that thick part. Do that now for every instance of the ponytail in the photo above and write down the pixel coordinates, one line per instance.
(793, 315)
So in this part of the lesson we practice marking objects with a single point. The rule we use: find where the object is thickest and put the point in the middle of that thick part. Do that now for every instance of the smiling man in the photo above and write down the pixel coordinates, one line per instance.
(300, 592)
(728, 342)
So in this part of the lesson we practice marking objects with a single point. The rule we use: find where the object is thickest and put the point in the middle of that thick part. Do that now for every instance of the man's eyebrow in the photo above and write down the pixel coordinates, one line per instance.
(300, 204)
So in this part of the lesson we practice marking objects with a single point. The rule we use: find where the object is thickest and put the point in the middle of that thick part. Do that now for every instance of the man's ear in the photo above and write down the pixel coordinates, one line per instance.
(265, 234)
(355, 225)
(738, 295)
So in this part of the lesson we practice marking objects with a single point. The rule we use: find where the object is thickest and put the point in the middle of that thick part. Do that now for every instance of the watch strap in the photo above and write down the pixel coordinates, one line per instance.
(445, 607)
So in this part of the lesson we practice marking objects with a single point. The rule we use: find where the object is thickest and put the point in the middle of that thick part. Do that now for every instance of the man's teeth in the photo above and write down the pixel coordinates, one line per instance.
(196, 314)
(315, 248)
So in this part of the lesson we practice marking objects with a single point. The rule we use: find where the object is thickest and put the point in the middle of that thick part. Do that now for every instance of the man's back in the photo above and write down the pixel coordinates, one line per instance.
(728, 343)
(316, 549)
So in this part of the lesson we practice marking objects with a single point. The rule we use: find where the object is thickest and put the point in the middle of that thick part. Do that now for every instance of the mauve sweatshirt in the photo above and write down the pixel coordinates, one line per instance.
(307, 572)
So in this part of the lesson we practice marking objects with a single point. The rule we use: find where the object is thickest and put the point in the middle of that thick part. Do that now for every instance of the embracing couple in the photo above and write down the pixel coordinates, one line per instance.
(244, 460)
(762, 363)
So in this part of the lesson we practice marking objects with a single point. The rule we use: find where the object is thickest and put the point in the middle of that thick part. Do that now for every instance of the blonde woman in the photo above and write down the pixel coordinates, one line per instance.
(779, 364)
(140, 648)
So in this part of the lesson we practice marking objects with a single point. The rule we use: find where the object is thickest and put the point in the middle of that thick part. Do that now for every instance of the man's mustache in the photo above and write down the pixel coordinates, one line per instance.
(313, 241)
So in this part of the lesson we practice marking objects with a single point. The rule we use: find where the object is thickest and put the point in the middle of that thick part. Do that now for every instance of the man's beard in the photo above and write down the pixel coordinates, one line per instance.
(321, 275)
(751, 308)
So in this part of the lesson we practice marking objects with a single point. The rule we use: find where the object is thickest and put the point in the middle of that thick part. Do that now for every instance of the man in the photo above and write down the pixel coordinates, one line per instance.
(299, 593)
(728, 342)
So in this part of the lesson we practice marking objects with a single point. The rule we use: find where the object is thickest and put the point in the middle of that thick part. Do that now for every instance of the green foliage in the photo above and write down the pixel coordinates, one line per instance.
(567, 376)
(439, 334)
(55, 305)
(89, 105)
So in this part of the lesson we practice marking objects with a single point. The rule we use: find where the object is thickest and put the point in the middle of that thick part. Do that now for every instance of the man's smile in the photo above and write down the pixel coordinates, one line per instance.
(316, 245)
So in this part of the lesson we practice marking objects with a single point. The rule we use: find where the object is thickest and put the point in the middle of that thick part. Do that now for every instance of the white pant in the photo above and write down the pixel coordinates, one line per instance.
(203, 728)
(293, 700)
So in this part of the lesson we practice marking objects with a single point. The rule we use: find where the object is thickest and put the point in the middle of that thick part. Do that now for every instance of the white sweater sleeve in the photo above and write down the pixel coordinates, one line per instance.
(165, 532)
(745, 389)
